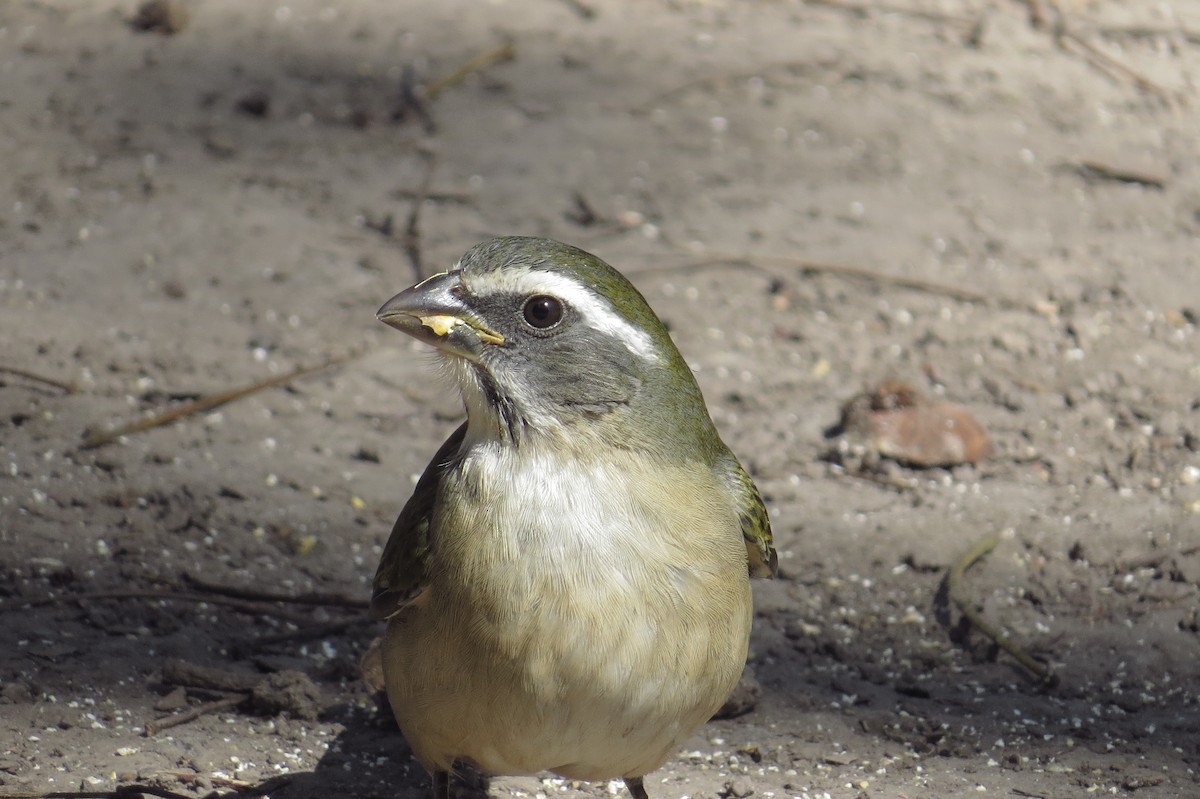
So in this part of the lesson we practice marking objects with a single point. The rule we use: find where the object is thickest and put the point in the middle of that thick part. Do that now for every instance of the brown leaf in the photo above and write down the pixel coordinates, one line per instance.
(900, 423)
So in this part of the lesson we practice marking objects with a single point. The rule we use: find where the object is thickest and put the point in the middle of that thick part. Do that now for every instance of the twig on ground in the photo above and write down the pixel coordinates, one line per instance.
(1029, 794)
(1146, 32)
(711, 83)
(1096, 170)
(320, 600)
(158, 725)
(1070, 41)
(582, 9)
(121, 792)
(459, 196)
(191, 778)
(63, 386)
(481, 61)
(411, 238)
(867, 9)
(855, 272)
(411, 104)
(954, 588)
(241, 606)
(94, 440)
(1040, 12)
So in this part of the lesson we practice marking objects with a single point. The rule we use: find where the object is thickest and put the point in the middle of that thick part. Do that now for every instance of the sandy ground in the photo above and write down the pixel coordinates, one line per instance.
(184, 214)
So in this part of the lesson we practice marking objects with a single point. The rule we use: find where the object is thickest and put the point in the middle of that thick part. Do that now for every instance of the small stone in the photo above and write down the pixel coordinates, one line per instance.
(898, 422)
(255, 104)
(167, 17)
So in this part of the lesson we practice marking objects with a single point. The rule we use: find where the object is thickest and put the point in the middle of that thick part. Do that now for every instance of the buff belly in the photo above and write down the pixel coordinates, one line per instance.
(611, 706)
(592, 652)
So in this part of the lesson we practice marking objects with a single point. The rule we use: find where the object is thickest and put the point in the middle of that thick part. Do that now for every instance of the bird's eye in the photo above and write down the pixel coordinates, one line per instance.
(543, 312)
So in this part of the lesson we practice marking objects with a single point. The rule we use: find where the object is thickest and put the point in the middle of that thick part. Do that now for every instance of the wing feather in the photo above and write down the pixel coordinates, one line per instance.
(752, 513)
(403, 569)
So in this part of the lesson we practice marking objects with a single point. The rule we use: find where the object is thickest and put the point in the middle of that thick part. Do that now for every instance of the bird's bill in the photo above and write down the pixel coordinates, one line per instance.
(433, 311)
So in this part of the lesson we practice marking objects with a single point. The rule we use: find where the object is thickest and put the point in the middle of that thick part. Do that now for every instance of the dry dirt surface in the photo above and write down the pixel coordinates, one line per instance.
(226, 192)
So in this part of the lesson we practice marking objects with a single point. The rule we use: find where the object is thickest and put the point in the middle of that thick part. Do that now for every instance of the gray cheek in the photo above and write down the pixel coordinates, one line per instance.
(588, 376)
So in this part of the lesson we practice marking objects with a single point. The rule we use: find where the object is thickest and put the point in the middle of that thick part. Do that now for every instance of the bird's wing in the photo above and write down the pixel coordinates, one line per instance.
(756, 525)
(402, 572)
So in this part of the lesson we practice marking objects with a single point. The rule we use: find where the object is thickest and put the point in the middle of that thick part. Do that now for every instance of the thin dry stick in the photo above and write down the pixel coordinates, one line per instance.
(1146, 32)
(1070, 42)
(1066, 39)
(241, 606)
(711, 83)
(967, 608)
(319, 600)
(68, 388)
(1019, 792)
(147, 790)
(582, 9)
(411, 103)
(191, 778)
(860, 273)
(122, 792)
(487, 58)
(412, 229)
(1096, 169)
(460, 196)
(208, 403)
(158, 725)
(866, 9)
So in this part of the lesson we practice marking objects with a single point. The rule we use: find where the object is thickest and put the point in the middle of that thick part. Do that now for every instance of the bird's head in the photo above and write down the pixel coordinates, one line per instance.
(545, 339)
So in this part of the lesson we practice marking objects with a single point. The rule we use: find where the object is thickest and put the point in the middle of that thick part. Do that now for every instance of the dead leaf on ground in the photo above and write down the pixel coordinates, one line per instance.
(899, 422)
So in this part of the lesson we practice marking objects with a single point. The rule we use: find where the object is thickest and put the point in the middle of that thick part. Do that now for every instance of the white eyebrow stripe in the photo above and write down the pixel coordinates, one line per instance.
(595, 312)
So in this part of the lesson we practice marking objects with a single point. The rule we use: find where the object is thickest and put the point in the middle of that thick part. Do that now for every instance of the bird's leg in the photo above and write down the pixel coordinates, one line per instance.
(634, 784)
(441, 784)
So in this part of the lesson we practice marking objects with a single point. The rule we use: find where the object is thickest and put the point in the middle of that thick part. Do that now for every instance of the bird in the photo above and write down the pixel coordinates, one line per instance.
(568, 588)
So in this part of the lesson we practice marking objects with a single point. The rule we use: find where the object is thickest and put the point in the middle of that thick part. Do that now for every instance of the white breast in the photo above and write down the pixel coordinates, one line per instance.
(581, 619)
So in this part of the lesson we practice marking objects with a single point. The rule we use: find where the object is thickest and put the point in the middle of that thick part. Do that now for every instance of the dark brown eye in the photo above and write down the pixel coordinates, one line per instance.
(542, 311)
